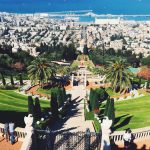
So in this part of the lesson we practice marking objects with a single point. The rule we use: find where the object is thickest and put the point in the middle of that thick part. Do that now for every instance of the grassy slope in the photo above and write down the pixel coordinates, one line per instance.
(133, 113)
(14, 106)
(44, 91)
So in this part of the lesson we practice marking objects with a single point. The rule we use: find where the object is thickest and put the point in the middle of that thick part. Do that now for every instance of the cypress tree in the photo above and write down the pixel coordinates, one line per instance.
(106, 107)
(12, 80)
(37, 109)
(140, 82)
(54, 104)
(20, 79)
(3, 79)
(60, 98)
(111, 113)
(148, 83)
(30, 105)
(91, 98)
(64, 96)
(95, 102)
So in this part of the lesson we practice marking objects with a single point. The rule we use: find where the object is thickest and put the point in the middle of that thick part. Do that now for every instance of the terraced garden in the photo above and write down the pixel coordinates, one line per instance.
(13, 106)
(133, 113)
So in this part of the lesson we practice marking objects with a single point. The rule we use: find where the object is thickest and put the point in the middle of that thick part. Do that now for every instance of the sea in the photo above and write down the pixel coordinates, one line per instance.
(85, 10)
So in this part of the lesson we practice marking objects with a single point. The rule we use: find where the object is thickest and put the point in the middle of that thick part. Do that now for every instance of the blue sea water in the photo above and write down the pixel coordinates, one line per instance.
(115, 7)
(98, 6)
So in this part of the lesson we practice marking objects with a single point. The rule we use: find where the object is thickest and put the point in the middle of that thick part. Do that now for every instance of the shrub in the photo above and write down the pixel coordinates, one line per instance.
(30, 105)
(64, 96)
(148, 84)
(20, 79)
(103, 95)
(12, 80)
(8, 87)
(42, 124)
(60, 98)
(91, 98)
(97, 125)
(88, 115)
(54, 104)
(3, 80)
(95, 103)
(109, 109)
(37, 109)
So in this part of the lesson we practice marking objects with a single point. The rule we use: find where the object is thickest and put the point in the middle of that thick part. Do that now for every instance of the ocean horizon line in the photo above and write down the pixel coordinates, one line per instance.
(71, 11)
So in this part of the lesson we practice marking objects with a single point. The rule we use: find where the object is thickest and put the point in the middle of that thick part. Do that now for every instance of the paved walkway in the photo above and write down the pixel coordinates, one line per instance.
(7, 146)
(74, 120)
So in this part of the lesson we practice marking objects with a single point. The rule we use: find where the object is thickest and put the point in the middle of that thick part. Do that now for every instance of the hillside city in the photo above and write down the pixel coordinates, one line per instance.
(29, 31)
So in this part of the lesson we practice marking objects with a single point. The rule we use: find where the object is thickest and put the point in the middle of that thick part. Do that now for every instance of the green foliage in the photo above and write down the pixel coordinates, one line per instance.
(119, 75)
(5, 60)
(106, 107)
(148, 84)
(8, 87)
(40, 70)
(58, 52)
(109, 109)
(96, 96)
(12, 80)
(60, 99)
(3, 79)
(88, 115)
(146, 61)
(85, 50)
(20, 79)
(95, 102)
(102, 94)
(64, 96)
(54, 104)
(37, 109)
(42, 124)
(97, 125)
(91, 98)
(30, 105)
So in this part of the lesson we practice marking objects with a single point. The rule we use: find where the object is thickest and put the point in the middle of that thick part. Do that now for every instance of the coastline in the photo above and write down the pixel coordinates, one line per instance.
(84, 16)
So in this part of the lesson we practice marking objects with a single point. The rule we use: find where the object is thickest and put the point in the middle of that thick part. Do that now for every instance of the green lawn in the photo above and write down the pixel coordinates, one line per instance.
(44, 91)
(14, 107)
(111, 92)
(133, 113)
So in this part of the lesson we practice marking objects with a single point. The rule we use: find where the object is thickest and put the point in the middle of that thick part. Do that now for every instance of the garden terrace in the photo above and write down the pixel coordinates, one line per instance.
(14, 106)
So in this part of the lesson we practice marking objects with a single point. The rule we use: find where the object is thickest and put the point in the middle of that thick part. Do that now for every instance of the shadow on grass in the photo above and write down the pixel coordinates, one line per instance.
(123, 123)
(117, 119)
(16, 117)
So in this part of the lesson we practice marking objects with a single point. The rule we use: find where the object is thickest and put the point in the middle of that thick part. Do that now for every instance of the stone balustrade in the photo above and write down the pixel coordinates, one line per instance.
(20, 133)
(140, 133)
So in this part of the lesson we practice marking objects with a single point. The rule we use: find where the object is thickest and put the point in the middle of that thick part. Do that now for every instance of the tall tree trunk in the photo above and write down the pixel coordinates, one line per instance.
(3, 79)
(20, 78)
(12, 80)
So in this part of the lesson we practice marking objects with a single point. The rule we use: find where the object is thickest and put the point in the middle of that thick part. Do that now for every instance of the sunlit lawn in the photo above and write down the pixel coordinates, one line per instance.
(14, 106)
(133, 113)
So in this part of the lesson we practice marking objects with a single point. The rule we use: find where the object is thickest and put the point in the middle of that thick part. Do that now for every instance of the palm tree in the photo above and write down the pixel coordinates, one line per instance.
(119, 75)
(40, 70)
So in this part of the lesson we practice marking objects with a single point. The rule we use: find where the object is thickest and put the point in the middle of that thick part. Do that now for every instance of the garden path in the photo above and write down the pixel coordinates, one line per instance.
(74, 121)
